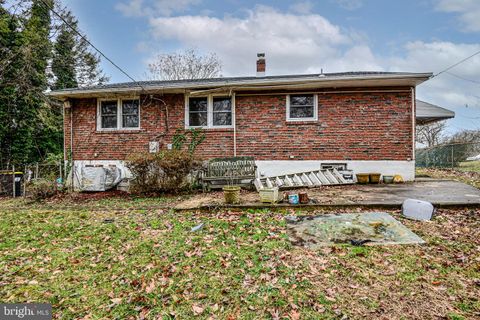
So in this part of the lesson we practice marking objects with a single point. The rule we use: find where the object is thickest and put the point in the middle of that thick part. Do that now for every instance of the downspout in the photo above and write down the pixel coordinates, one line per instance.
(71, 146)
(413, 123)
(64, 145)
(234, 126)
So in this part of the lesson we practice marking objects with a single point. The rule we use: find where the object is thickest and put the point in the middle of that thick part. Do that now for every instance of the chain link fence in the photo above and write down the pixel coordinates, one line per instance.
(15, 180)
(464, 156)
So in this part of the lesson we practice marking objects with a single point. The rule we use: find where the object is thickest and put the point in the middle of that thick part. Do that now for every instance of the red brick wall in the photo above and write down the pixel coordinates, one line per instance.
(350, 126)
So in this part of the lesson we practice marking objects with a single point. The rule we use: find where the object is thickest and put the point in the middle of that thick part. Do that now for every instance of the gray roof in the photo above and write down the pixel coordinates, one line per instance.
(340, 79)
(428, 113)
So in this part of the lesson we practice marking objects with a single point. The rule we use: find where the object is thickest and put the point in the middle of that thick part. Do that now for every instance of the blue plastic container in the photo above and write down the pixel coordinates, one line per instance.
(293, 198)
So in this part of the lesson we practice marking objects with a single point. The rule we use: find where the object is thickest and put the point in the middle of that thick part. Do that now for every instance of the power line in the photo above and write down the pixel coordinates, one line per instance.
(453, 65)
(91, 44)
(463, 78)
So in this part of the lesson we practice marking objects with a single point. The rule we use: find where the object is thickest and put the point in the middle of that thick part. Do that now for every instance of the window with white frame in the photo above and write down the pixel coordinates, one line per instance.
(302, 107)
(118, 114)
(198, 112)
(222, 111)
(209, 112)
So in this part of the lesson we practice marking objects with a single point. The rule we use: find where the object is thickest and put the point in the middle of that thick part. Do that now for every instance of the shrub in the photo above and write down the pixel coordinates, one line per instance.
(40, 189)
(166, 171)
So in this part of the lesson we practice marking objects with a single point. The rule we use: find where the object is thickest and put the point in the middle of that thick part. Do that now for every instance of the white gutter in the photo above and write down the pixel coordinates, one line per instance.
(421, 77)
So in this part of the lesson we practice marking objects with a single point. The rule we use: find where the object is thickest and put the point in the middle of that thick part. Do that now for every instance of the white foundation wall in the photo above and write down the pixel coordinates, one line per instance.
(386, 167)
(278, 167)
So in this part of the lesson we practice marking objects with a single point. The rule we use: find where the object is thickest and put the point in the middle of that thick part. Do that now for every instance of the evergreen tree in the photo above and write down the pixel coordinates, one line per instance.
(47, 119)
(64, 56)
(37, 35)
(31, 124)
(88, 70)
(73, 63)
(10, 52)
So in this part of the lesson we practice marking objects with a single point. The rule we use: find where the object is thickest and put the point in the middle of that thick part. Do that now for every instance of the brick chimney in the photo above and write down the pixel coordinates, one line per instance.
(260, 64)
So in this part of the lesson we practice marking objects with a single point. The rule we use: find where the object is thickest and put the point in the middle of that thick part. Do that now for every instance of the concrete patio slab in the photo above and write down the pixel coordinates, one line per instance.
(441, 193)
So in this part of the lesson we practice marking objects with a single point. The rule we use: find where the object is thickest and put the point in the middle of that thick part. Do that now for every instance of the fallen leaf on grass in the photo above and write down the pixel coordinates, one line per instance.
(294, 315)
(275, 314)
(319, 308)
(197, 309)
(150, 287)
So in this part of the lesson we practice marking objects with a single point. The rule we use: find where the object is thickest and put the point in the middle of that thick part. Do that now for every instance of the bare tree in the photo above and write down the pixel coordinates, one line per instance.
(465, 136)
(188, 64)
(431, 134)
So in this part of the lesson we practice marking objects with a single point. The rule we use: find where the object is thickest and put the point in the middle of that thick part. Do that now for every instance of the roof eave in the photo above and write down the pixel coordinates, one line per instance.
(320, 82)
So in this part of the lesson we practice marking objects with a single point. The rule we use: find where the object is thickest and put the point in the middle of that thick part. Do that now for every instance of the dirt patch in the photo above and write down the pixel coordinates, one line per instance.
(347, 194)
(81, 197)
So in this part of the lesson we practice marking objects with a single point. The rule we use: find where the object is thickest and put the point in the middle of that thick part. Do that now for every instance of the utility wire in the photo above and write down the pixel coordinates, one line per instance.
(91, 44)
(463, 78)
(453, 65)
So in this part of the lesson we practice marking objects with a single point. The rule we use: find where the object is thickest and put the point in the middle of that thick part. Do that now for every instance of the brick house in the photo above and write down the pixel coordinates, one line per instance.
(290, 123)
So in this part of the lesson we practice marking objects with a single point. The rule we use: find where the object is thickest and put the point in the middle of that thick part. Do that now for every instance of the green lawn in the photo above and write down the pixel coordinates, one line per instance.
(469, 177)
(144, 262)
(470, 166)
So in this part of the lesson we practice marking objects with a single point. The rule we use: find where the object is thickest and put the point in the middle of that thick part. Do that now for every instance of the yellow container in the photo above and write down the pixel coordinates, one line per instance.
(231, 194)
(375, 178)
(363, 178)
(397, 178)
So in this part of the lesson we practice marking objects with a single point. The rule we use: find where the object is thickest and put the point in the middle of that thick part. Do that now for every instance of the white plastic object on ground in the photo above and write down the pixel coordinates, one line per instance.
(417, 209)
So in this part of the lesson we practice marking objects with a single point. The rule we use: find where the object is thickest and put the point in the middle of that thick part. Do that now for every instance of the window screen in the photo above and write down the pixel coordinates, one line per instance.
(222, 112)
(108, 113)
(198, 112)
(130, 115)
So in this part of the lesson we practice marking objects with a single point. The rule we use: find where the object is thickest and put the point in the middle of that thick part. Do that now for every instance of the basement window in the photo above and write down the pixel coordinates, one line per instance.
(208, 112)
(302, 107)
(118, 114)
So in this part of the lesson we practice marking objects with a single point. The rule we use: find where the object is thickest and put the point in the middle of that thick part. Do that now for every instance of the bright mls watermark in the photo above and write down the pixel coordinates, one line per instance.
(25, 311)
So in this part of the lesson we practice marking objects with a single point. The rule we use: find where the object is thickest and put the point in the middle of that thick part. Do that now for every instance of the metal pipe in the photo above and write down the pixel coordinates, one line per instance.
(234, 116)
(25, 183)
(71, 146)
(13, 179)
(413, 122)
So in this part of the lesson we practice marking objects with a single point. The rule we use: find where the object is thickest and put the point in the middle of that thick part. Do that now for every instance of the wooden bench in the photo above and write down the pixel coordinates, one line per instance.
(220, 172)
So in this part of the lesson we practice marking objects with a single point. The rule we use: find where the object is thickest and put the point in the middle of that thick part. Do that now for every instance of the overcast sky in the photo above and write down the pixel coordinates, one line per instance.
(301, 37)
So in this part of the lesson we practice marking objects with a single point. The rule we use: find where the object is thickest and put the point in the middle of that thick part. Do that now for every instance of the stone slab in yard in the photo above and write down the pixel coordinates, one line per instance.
(372, 228)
